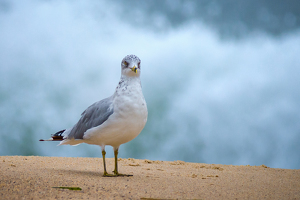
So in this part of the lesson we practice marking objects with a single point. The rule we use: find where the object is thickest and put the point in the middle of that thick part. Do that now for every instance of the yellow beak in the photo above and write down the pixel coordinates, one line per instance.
(134, 69)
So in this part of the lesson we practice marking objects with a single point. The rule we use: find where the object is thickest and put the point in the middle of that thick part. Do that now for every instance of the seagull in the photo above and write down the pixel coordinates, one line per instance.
(114, 120)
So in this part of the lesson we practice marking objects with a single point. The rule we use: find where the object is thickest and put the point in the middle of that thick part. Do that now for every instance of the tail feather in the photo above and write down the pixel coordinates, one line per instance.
(56, 136)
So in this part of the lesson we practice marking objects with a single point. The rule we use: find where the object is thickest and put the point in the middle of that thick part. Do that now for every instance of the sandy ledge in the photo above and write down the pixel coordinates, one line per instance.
(33, 177)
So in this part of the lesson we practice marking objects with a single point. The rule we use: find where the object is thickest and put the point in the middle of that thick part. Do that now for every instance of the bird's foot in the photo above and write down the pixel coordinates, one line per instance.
(123, 175)
(105, 174)
(116, 174)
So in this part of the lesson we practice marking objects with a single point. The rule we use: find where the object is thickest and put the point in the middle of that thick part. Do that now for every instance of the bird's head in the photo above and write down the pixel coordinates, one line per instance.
(131, 66)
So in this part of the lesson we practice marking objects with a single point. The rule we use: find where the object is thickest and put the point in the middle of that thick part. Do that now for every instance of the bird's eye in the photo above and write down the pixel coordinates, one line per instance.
(126, 63)
(139, 65)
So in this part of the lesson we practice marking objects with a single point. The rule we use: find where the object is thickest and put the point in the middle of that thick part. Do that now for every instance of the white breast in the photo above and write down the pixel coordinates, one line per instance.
(127, 121)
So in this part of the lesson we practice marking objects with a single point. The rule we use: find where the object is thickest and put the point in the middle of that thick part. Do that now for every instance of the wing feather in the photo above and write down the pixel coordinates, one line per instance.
(93, 116)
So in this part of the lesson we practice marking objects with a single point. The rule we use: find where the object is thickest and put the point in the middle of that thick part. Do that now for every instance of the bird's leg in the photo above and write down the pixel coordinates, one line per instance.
(116, 173)
(104, 164)
(103, 156)
(116, 151)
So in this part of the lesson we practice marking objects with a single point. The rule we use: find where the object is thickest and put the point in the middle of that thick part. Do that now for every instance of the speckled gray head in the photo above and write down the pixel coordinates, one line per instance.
(131, 65)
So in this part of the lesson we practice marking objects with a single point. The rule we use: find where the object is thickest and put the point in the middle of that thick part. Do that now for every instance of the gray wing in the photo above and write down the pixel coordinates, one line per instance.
(93, 116)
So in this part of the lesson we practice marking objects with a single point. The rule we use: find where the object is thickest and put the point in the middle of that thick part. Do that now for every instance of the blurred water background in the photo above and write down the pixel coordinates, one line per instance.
(221, 78)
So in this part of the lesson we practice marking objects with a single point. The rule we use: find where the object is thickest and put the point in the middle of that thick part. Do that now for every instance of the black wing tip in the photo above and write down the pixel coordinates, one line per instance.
(56, 136)
(59, 133)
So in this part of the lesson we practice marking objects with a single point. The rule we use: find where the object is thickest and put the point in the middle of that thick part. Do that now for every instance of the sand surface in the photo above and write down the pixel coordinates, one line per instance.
(34, 177)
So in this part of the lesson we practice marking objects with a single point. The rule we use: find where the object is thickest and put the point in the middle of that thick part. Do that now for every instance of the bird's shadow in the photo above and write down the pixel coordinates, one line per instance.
(83, 173)
(78, 172)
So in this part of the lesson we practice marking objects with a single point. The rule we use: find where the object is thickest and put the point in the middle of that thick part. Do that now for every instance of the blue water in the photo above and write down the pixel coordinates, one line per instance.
(210, 99)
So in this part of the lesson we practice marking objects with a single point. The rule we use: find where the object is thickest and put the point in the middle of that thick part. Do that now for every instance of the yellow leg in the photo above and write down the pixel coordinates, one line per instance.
(116, 173)
(104, 164)
(116, 152)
